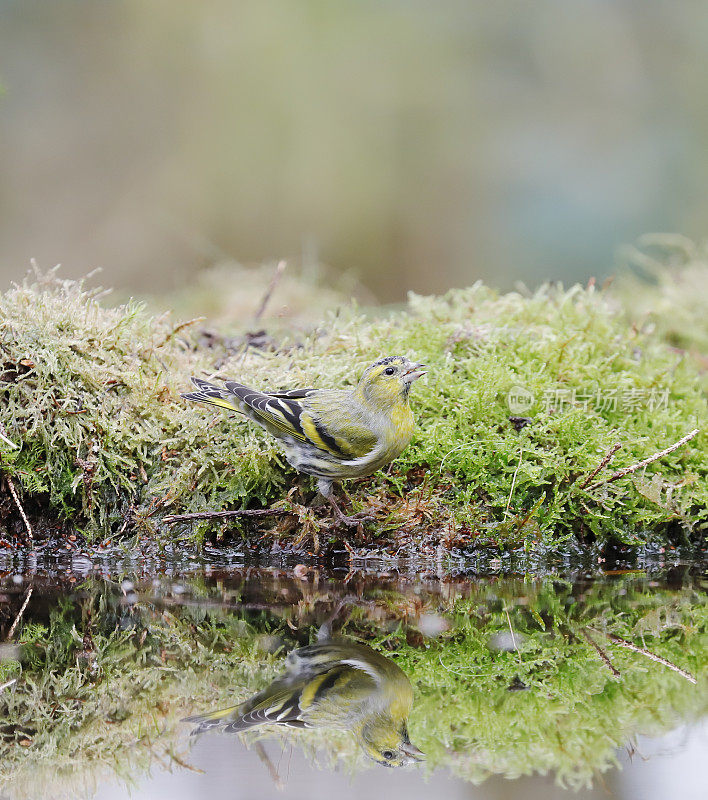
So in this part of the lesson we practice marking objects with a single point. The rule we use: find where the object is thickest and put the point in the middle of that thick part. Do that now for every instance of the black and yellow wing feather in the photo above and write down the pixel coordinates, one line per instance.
(308, 700)
(283, 414)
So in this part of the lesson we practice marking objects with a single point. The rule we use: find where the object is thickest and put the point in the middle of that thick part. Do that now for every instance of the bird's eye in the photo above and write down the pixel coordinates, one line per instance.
(387, 754)
(389, 371)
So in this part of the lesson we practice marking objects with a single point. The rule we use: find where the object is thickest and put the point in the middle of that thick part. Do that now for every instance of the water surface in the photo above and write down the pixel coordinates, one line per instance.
(524, 683)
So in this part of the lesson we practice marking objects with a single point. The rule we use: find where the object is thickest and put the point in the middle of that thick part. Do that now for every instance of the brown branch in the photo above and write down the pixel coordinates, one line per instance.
(20, 613)
(272, 771)
(603, 655)
(177, 329)
(618, 640)
(605, 461)
(10, 444)
(274, 281)
(264, 302)
(655, 457)
(13, 492)
(186, 764)
(244, 512)
(11, 485)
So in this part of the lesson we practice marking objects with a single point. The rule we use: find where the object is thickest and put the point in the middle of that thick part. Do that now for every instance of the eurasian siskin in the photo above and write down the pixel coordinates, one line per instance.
(332, 684)
(332, 434)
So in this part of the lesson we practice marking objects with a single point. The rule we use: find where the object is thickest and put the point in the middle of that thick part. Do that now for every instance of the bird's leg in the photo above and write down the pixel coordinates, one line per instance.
(324, 633)
(353, 521)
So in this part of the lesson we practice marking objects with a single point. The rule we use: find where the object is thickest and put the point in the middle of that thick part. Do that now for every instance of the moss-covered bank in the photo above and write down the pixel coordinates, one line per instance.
(525, 396)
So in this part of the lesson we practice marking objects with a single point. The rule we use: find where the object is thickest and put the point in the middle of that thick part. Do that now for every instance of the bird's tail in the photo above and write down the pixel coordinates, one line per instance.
(214, 719)
(208, 393)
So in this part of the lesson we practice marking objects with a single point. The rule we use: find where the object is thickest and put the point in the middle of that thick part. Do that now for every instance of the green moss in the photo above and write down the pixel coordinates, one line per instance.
(552, 706)
(100, 692)
(92, 396)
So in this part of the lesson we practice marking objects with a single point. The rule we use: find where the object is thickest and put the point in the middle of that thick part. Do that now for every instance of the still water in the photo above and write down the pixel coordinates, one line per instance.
(553, 683)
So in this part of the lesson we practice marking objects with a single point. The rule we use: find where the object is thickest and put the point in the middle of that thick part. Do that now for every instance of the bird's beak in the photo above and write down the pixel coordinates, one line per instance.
(411, 750)
(414, 372)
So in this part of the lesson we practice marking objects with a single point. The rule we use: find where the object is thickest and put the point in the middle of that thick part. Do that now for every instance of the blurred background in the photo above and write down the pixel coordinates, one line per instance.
(418, 145)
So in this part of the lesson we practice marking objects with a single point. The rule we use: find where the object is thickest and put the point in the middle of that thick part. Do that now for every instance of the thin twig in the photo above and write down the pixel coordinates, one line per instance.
(11, 485)
(618, 640)
(271, 288)
(621, 473)
(511, 631)
(13, 492)
(3, 436)
(513, 482)
(603, 655)
(605, 461)
(6, 440)
(20, 613)
(273, 772)
(177, 329)
(186, 764)
(262, 307)
(7, 685)
(244, 512)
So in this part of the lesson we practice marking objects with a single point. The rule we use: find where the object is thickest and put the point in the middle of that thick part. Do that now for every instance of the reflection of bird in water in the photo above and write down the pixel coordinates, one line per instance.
(333, 684)
(332, 434)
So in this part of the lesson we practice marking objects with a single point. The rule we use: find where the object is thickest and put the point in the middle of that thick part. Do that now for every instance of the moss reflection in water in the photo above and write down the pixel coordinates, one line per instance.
(505, 678)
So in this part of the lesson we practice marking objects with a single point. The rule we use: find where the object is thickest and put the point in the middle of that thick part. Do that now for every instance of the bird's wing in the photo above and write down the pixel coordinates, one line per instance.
(350, 675)
(315, 417)
(294, 394)
(321, 700)
(282, 413)
(279, 415)
(293, 414)
(213, 719)
(278, 704)
(322, 656)
(335, 697)
(340, 417)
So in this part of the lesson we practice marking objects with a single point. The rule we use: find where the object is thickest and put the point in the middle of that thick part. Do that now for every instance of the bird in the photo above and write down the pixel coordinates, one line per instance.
(331, 434)
(336, 683)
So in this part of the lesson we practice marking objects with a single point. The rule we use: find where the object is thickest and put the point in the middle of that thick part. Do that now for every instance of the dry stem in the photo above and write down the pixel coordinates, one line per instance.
(13, 492)
(244, 512)
(20, 613)
(605, 461)
(655, 457)
(11, 485)
(603, 655)
(272, 770)
(10, 444)
(618, 640)
(269, 291)
(511, 631)
(264, 302)
(513, 482)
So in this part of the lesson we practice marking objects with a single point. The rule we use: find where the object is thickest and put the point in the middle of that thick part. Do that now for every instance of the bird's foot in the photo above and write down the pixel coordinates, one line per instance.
(354, 520)
(350, 520)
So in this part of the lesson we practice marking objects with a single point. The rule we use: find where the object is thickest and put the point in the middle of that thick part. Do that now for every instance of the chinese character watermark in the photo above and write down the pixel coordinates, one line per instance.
(627, 401)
